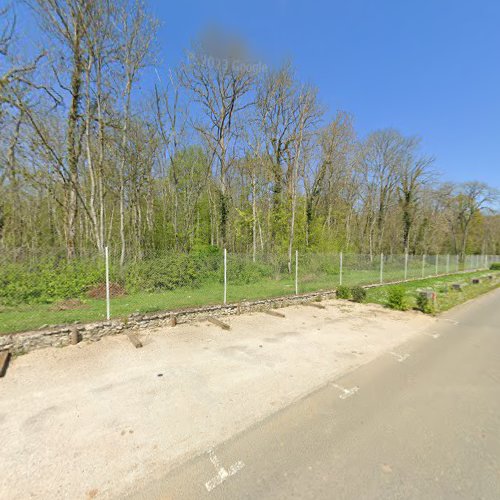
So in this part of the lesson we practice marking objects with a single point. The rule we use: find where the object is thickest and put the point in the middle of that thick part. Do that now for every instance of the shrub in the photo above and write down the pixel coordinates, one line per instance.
(425, 304)
(241, 271)
(47, 280)
(396, 299)
(343, 292)
(163, 273)
(495, 266)
(358, 294)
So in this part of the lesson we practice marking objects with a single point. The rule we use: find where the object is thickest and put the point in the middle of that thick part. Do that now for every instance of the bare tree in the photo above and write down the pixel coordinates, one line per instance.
(464, 203)
(66, 20)
(336, 143)
(380, 157)
(137, 31)
(171, 119)
(414, 173)
(220, 79)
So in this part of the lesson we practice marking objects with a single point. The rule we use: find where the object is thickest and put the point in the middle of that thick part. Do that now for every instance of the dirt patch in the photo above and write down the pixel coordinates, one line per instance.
(99, 291)
(68, 305)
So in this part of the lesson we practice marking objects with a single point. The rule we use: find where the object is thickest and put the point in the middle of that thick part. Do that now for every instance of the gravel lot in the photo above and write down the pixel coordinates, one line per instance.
(92, 420)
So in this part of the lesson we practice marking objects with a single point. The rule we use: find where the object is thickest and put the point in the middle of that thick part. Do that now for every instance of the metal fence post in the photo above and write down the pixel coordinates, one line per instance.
(437, 264)
(108, 305)
(423, 265)
(406, 266)
(448, 264)
(225, 276)
(296, 272)
(381, 268)
(341, 267)
(457, 258)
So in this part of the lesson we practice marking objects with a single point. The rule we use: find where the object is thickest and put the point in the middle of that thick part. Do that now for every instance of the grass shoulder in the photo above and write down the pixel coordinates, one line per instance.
(449, 291)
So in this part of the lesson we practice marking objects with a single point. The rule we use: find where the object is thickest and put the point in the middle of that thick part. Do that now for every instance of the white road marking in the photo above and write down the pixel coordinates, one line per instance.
(433, 335)
(222, 474)
(346, 393)
(399, 357)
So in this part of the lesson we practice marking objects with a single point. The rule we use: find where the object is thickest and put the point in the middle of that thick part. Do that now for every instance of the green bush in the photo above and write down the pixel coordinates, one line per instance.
(48, 280)
(358, 294)
(241, 271)
(396, 299)
(165, 273)
(425, 304)
(343, 292)
(495, 266)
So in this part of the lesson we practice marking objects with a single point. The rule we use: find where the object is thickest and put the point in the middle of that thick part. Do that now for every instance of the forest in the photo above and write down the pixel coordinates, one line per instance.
(103, 144)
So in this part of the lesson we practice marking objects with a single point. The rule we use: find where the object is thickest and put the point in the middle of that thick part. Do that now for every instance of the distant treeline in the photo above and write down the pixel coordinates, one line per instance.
(222, 151)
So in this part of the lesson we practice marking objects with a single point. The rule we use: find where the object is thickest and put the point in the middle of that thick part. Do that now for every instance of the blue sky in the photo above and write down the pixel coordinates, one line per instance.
(429, 68)
(425, 67)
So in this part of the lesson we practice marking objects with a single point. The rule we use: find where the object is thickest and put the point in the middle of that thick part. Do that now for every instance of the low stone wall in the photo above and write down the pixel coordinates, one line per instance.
(21, 343)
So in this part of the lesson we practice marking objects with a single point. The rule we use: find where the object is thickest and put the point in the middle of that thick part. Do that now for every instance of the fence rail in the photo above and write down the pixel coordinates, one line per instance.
(46, 289)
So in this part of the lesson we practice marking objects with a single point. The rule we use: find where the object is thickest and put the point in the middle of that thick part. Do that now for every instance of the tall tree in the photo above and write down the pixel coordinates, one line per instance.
(220, 79)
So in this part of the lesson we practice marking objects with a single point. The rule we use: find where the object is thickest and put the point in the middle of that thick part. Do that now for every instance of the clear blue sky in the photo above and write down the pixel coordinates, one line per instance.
(425, 67)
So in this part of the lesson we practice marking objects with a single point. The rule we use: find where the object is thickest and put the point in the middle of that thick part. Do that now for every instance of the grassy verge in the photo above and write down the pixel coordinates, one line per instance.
(30, 317)
(446, 296)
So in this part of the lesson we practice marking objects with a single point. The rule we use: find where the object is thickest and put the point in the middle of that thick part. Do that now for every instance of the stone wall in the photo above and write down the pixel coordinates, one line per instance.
(21, 343)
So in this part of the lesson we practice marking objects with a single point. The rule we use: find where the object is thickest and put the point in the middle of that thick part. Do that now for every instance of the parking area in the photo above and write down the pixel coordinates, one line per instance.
(91, 420)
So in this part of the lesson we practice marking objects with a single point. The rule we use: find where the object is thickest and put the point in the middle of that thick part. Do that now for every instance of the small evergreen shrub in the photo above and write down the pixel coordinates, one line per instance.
(358, 294)
(495, 266)
(425, 304)
(396, 299)
(343, 292)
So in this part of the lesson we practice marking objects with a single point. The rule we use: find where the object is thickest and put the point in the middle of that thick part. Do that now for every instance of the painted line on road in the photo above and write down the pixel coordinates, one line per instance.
(346, 393)
(399, 357)
(222, 473)
(432, 335)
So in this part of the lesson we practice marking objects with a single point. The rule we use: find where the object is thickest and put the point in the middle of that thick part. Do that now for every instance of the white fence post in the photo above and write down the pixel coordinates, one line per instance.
(423, 265)
(108, 305)
(341, 267)
(406, 266)
(225, 276)
(457, 258)
(437, 264)
(448, 264)
(296, 272)
(381, 268)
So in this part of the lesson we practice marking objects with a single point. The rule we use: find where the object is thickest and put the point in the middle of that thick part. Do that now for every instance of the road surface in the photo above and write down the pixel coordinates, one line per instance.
(420, 422)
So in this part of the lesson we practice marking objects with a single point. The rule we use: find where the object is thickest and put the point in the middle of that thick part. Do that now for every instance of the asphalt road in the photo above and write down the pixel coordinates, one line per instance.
(421, 422)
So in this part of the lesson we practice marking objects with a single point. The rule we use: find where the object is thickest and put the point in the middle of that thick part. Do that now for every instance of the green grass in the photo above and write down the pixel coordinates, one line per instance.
(30, 317)
(446, 297)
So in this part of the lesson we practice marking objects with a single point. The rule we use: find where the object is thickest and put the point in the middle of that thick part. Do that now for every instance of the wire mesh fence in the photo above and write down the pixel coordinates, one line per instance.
(40, 289)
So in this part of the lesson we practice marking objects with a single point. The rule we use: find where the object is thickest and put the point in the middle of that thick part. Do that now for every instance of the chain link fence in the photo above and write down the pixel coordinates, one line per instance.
(40, 289)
